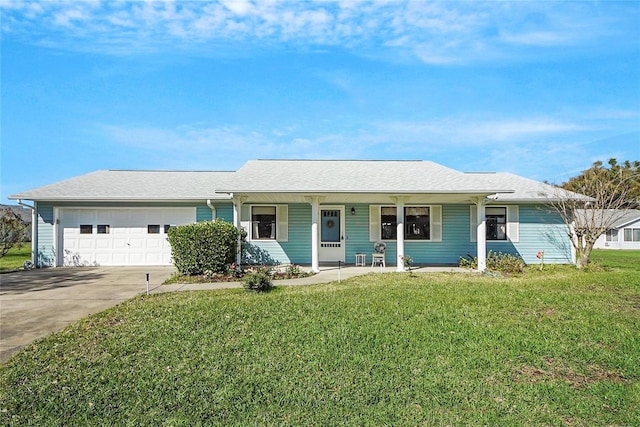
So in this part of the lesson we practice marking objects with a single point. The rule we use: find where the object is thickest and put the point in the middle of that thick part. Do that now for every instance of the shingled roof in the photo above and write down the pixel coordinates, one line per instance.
(525, 189)
(105, 185)
(355, 176)
(293, 176)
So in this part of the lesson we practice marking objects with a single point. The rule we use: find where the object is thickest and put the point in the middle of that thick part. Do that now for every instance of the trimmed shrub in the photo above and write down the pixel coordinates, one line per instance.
(204, 246)
(496, 261)
(258, 281)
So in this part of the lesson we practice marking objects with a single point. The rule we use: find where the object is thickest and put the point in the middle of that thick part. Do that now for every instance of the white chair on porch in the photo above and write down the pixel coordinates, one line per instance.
(378, 256)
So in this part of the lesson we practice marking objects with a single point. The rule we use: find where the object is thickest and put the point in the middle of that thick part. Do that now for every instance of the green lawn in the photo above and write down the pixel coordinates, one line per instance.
(556, 347)
(15, 258)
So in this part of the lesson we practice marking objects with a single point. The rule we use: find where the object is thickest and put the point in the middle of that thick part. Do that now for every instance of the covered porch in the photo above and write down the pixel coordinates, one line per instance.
(334, 222)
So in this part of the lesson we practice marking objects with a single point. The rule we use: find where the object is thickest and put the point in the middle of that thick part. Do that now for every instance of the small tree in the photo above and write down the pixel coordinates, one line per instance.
(12, 231)
(591, 203)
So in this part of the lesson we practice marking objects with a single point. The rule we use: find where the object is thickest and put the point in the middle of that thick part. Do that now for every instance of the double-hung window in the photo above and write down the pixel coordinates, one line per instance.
(388, 223)
(496, 223)
(632, 234)
(612, 235)
(417, 225)
(263, 220)
(502, 223)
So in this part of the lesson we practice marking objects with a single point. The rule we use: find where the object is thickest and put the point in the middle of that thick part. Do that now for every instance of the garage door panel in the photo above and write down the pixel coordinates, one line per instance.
(137, 243)
(126, 241)
(85, 243)
(120, 244)
(104, 259)
(154, 243)
(119, 258)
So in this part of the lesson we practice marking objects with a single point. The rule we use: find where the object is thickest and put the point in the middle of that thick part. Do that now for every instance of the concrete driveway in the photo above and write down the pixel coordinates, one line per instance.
(36, 303)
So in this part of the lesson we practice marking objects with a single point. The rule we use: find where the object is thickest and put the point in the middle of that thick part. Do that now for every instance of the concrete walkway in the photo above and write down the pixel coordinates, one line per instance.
(326, 275)
(36, 303)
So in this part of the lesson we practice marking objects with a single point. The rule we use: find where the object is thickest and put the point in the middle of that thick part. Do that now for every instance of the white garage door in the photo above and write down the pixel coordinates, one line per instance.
(119, 236)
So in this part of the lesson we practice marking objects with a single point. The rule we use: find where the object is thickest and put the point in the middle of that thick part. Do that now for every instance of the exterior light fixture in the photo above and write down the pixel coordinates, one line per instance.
(353, 211)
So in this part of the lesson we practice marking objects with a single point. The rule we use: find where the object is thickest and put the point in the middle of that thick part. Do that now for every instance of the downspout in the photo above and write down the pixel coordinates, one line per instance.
(214, 213)
(34, 235)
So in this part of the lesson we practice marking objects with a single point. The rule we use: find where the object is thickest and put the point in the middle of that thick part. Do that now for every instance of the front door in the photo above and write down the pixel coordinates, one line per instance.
(331, 234)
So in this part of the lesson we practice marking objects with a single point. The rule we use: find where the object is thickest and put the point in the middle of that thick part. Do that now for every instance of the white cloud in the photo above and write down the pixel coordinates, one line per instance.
(435, 32)
(375, 140)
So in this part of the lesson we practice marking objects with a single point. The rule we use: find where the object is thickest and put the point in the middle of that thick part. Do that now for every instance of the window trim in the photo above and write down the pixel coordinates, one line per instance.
(274, 224)
(513, 223)
(406, 239)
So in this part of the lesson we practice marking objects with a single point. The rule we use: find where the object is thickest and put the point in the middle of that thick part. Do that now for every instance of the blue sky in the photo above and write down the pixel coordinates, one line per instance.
(540, 89)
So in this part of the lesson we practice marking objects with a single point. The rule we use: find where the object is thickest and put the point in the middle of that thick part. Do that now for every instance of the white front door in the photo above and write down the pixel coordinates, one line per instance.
(332, 234)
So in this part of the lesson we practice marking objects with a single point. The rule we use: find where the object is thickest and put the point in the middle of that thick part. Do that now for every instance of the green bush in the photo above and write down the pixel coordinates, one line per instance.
(258, 281)
(204, 246)
(496, 261)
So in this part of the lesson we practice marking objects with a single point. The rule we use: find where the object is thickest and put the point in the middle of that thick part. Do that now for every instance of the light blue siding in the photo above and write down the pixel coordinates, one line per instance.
(541, 229)
(45, 251)
(203, 213)
(266, 252)
(298, 247)
(357, 232)
(224, 211)
(455, 242)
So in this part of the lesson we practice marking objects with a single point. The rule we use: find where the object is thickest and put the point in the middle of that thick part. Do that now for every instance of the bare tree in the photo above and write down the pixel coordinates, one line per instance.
(593, 202)
(12, 231)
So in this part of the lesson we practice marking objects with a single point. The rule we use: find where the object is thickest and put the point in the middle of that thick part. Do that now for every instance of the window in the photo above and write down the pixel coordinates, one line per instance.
(632, 234)
(417, 225)
(103, 229)
(612, 235)
(153, 229)
(263, 220)
(86, 229)
(167, 227)
(496, 223)
(502, 223)
(388, 222)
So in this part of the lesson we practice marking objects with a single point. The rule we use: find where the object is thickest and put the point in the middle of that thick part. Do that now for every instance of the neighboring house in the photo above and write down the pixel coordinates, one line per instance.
(25, 216)
(301, 211)
(624, 232)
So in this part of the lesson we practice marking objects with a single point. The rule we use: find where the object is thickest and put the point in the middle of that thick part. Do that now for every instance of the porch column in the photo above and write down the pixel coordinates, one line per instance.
(237, 221)
(315, 237)
(400, 233)
(481, 237)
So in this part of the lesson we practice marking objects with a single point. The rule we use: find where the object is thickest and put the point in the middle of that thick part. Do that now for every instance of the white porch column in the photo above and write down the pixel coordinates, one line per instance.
(481, 235)
(400, 233)
(237, 221)
(315, 237)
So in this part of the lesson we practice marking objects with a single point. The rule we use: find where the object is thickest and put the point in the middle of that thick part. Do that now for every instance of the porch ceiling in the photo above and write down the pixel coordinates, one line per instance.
(357, 198)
